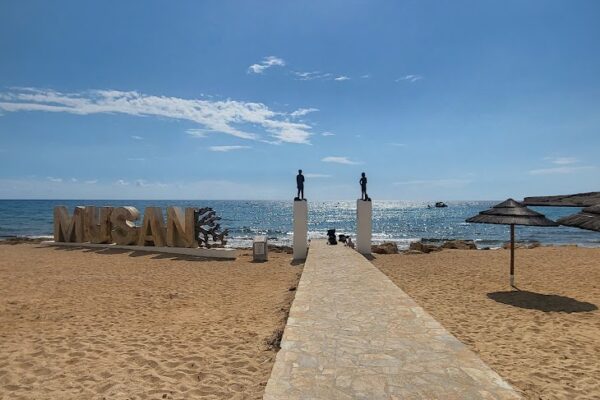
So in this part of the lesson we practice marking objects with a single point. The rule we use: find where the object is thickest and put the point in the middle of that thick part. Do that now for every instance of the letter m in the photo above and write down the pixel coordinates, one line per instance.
(66, 228)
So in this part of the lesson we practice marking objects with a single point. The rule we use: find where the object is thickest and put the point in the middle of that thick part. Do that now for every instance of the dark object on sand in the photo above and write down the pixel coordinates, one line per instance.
(331, 236)
(511, 212)
(385, 248)
(588, 218)
(342, 238)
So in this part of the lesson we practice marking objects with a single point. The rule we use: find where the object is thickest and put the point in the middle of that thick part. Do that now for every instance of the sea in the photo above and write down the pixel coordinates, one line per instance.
(402, 222)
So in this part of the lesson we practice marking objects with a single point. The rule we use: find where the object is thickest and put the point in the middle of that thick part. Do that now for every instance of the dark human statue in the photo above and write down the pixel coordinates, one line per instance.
(300, 185)
(363, 188)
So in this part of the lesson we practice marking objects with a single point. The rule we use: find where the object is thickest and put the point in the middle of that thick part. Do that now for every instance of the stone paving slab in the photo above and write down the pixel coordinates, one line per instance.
(353, 334)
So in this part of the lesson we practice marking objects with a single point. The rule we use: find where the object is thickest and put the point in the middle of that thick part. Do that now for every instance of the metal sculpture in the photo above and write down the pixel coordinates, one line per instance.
(207, 228)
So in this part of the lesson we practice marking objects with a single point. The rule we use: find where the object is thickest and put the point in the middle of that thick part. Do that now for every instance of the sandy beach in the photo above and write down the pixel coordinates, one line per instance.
(89, 324)
(543, 339)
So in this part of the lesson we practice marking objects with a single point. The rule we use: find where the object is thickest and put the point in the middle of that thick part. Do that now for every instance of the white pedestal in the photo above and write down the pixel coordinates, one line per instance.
(300, 229)
(364, 226)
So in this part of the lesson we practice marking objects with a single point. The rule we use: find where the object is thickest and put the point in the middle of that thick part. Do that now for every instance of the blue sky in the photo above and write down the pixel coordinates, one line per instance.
(226, 100)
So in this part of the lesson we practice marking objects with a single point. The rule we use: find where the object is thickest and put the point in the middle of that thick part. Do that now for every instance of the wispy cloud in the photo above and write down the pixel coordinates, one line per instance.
(410, 78)
(224, 149)
(315, 176)
(340, 160)
(365, 76)
(560, 170)
(52, 179)
(91, 181)
(303, 111)
(446, 183)
(267, 62)
(220, 116)
(197, 133)
(341, 78)
(122, 182)
(562, 160)
(136, 137)
(327, 134)
(311, 76)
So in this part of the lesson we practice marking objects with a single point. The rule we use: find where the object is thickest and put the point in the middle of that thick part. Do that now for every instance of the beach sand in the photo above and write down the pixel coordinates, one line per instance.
(95, 324)
(544, 340)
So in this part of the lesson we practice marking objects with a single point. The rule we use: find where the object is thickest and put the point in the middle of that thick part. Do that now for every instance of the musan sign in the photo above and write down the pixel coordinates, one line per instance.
(192, 228)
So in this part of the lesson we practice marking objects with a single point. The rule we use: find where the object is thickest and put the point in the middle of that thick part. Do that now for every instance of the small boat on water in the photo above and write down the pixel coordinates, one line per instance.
(440, 204)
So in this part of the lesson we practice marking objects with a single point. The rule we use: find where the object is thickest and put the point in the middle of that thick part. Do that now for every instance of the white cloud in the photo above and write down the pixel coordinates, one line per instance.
(328, 134)
(366, 76)
(311, 76)
(197, 133)
(446, 183)
(74, 180)
(560, 170)
(267, 62)
(341, 78)
(410, 78)
(220, 116)
(562, 160)
(340, 160)
(51, 179)
(303, 111)
(224, 149)
(91, 182)
(122, 182)
(317, 175)
(136, 137)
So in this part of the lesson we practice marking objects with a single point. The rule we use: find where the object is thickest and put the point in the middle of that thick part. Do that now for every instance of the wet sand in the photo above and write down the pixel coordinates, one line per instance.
(543, 339)
(94, 324)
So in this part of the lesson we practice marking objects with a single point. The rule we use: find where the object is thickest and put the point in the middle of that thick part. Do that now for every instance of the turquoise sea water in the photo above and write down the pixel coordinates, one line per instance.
(399, 221)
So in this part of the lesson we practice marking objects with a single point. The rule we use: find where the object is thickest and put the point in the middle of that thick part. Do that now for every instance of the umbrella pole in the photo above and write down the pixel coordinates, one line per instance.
(512, 255)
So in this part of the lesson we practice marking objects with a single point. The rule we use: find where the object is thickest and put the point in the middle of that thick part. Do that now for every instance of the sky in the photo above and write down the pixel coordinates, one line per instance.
(434, 100)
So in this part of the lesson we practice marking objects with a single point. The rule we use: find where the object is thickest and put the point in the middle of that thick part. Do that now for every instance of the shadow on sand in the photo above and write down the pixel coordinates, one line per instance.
(136, 253)
(541, 302)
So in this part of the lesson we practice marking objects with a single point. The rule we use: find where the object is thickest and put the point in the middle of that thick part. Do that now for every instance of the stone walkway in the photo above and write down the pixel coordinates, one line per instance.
(353, 334)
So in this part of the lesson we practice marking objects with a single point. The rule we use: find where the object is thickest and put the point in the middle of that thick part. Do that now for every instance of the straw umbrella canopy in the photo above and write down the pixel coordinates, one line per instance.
(511, 212)
(588, 218)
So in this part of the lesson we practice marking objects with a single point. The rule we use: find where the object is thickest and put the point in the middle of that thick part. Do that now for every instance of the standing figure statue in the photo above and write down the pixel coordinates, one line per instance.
(300, 185)
(363, 188)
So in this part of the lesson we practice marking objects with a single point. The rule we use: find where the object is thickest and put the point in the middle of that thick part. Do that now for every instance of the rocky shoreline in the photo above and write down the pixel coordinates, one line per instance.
(422, 247)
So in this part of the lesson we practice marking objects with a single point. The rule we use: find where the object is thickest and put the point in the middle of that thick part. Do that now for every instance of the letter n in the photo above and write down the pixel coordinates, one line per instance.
(181, 230)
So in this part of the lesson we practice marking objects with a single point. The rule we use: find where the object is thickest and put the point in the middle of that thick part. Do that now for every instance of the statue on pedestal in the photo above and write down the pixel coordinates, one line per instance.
(300, 186)
(363, 188)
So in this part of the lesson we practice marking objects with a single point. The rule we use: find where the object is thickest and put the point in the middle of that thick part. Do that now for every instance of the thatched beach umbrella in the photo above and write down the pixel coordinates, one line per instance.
(588, 218)
(511, 212)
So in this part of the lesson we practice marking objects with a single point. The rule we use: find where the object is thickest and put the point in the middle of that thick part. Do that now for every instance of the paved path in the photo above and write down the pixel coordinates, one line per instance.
(353, 334)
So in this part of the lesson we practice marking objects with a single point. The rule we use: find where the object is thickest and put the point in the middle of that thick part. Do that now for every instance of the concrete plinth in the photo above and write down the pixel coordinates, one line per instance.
(364, 226)
(300, 229)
